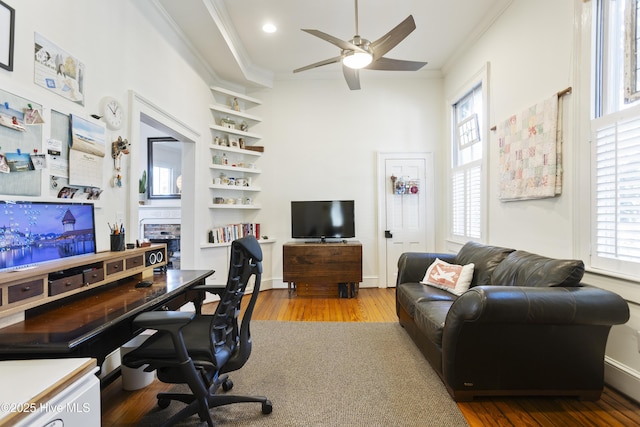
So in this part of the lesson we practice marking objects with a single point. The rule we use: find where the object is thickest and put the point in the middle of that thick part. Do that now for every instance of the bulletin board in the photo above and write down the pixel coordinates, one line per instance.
(18, 141)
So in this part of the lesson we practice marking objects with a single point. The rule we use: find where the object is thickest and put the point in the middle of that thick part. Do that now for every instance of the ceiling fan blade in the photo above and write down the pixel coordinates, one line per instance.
(319, 64)
(352, 77)
(387, 42)
(388, 64)
(342, 44)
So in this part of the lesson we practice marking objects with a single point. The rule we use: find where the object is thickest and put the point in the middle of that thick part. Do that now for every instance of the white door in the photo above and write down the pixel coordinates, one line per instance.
(408, 217)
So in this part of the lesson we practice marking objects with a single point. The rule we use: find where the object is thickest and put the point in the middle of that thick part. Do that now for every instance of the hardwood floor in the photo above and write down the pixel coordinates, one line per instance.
(126, 408)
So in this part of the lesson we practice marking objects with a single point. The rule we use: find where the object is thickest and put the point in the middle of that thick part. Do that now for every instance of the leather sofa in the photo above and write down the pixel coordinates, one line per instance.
(526, 326)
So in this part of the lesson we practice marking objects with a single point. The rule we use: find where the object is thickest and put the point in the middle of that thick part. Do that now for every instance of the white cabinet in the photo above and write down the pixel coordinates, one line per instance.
(50, 392)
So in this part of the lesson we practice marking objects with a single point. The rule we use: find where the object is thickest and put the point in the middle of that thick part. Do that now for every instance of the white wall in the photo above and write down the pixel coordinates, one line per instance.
(529, 51)
(321, 141)
(533, 54)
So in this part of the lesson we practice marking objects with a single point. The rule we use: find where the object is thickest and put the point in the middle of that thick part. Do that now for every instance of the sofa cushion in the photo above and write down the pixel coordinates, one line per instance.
(430, 317)
(485, 259)
(522, 268)
(452, 278)
(409, 294)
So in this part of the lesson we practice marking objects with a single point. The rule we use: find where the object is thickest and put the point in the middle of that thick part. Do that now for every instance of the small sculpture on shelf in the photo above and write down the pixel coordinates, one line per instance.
(235, 105)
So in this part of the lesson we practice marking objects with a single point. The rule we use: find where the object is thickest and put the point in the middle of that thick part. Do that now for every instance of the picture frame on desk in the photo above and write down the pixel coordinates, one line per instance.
(7, 34)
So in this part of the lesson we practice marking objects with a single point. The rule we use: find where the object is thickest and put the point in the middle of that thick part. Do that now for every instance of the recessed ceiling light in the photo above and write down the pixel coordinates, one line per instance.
(269, 28)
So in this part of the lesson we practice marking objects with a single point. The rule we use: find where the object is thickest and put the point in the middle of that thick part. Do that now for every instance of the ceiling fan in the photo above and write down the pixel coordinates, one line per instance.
(359, 53)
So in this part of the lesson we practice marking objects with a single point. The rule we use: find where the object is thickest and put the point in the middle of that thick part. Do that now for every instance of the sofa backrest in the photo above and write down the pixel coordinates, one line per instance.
(522, 268)
(486, 258)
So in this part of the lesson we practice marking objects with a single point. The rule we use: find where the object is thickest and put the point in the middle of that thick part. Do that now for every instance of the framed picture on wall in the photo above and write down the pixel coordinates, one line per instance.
(7, 30)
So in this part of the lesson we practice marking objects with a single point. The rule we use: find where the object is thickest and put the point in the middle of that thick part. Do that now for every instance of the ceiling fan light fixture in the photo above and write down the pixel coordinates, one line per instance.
(357, 60)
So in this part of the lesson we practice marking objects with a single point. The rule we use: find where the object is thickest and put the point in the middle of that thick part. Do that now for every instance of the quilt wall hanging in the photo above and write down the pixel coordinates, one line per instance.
(530, 152)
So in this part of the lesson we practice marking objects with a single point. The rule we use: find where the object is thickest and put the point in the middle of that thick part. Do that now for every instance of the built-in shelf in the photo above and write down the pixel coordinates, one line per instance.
(236, 95)
(234, 168)
(235, 132)
(232, 206)
(235, 113)
(235, 150)
(233, 187)
(226, 244)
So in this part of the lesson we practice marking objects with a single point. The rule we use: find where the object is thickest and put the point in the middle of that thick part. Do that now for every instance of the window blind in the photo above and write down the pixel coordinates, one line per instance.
(466, 201)
(616, 192)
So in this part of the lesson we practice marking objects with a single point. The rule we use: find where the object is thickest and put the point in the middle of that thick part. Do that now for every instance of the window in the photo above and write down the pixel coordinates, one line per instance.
(615, 129)
(466, 156)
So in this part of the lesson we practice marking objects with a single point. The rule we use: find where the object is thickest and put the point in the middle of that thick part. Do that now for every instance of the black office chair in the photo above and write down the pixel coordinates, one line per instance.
(199, 349)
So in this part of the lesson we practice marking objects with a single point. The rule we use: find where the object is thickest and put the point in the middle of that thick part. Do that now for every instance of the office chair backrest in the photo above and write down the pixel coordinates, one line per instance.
(246, 261)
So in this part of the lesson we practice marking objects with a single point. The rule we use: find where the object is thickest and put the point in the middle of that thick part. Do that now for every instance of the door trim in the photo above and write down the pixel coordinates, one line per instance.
(428, 187)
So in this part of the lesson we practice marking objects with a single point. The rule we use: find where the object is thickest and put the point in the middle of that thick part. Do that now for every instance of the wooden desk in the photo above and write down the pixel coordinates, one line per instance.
(315, 264)
(98, 321)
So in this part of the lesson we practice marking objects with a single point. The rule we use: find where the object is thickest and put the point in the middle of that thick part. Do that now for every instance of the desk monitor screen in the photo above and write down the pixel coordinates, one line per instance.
(36, 232)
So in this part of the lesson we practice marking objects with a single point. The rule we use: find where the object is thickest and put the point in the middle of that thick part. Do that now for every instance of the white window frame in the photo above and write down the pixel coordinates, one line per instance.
(481, 79)
(612, 122)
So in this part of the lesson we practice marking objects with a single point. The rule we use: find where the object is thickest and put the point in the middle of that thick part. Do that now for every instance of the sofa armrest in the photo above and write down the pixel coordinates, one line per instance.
(412, 266)
(518, 304)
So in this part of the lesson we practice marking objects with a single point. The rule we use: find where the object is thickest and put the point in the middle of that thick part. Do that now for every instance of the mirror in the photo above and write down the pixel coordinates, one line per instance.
(164, 168)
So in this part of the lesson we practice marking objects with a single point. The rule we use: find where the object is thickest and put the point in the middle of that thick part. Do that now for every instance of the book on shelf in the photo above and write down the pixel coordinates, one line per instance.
(230, 232)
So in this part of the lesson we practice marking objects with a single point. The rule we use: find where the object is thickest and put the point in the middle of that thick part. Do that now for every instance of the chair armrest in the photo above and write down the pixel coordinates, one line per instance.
(585, 305)
(214, 289)
(163, 320)
(412, 266)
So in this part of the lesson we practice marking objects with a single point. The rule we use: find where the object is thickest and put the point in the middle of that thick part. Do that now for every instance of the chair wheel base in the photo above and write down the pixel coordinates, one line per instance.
(227, 385)
(164, 403)
(267, 407)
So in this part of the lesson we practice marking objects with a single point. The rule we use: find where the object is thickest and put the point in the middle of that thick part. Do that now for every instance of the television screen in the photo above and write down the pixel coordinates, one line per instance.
(323, 219)
(35, 232)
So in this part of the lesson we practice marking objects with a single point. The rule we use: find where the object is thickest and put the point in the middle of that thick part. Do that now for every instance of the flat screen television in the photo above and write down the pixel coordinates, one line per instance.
(323, 219)
(36, 232)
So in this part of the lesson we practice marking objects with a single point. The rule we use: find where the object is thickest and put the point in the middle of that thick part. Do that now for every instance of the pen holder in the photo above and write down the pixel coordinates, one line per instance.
(117, 242)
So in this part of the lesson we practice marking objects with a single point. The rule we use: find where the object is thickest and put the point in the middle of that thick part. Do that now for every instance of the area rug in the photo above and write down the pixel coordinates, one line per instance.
(333, 374)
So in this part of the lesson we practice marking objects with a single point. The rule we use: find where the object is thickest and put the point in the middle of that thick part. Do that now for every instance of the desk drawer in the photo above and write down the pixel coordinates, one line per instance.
(25, 290)
(93, 276)
(135, 262)
(65, 284)
(115, 267)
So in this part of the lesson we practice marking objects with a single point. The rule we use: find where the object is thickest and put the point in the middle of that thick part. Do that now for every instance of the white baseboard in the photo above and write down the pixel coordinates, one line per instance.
(622, 378)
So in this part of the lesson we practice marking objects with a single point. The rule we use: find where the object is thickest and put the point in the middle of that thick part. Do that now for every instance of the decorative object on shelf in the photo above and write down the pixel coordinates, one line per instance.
(228, 123)
(112, 112)
(235, 105)
(244, 127)
(241, 142)
(258, 148)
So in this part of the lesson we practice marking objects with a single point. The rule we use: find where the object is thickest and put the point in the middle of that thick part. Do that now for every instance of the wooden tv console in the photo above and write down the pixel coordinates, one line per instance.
(315, 267)
(21, 290)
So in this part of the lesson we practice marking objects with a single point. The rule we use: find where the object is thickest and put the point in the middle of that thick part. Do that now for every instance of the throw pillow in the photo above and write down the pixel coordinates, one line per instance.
(449, 277)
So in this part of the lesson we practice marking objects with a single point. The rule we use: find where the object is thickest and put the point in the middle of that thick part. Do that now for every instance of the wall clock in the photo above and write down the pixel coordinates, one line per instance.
(112, 112)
